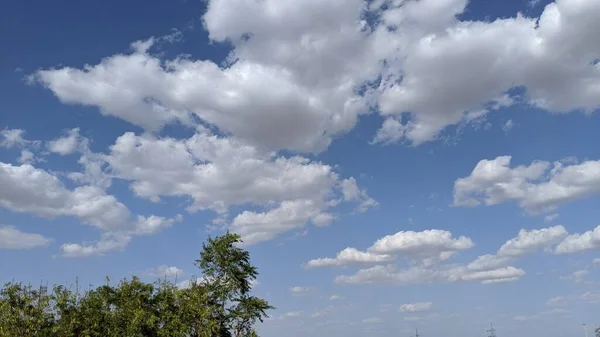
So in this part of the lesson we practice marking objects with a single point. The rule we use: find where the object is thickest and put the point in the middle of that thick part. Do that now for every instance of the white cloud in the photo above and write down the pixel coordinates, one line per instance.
(429, 246)
(220, 172)
(348, 256)
(351, 192)
(297, 67)
(551, 217)
(556, 301)
(27, 157)
(487, 262)
(12, 238)
(501, 280)
(530, 241)
(14, 138)
(66, 145)
(596, 261)
(575, 243)
(32, 190)
(108, 243)
(301, 291)
(426, 243)
(509, 125)
(29, 189)
(526, 242)
(373, 320)
(256, 227)
(335, 297)
(164, 271)
(421, 275)
(539, 187)
(578, 276)
(592, 297)
(505, 274)
(416, 307)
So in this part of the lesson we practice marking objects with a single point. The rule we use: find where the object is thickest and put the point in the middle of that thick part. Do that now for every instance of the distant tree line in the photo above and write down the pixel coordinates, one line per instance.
(218, 304)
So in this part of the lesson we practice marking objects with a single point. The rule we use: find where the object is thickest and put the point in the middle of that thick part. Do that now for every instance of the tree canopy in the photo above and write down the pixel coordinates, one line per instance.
(217, 304)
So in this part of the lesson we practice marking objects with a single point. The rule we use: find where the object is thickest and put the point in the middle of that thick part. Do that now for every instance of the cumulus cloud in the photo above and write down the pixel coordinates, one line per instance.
(348, 256)
(529, 241)
(109, 242)
(426, 243)
(67, 144)
(218, 172)
(487, 262)
(539, 187)
(27, 157)
(575, 243)
(33, 190)
(301, 291)
(13, 238)
(416, 307)
(305, 71)
(420, 275)
(164, 271)
(526, 242)
(428, 246)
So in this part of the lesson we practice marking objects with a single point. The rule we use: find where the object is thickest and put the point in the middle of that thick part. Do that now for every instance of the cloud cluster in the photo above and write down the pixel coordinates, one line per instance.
(426, 251)
(301, 73)
(539, 187)
(218, 172)
(427, 245)
(278, 193)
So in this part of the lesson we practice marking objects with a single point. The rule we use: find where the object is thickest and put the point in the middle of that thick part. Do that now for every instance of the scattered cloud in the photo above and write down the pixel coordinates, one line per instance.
(12, 238)
(591, 297)
(428, 246)
(575, 243)
(164, 271)
(416, 307)
(66, 145)
(530, 241)
(540, 187)
(302, 291)
(109, 242)
(509, 125)
(579, 276)
(551, 217)
(557, 301)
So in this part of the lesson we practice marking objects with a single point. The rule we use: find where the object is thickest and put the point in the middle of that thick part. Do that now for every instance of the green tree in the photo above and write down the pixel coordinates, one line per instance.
(228, 276)
(218, 304)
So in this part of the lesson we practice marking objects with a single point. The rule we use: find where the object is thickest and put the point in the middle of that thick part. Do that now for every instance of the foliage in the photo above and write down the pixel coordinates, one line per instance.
(217, 305)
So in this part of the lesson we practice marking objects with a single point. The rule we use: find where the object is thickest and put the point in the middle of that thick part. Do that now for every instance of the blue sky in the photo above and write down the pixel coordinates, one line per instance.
(390, 165)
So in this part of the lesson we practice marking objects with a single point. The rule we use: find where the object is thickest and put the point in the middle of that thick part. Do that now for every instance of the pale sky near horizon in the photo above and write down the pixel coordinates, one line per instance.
(390, 165)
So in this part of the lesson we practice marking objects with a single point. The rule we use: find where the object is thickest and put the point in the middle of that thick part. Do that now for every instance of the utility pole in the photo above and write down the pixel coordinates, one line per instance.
(585, 330)
(417, 333)
(492, 331)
